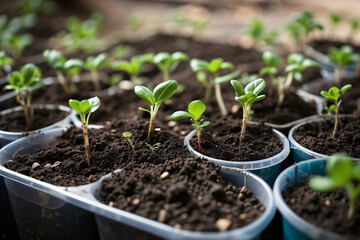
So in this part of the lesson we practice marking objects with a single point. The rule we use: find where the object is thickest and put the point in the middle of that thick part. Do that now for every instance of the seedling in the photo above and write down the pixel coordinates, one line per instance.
(354, 26)
(195, 111)
(335, 93)
(257, 31)
(22, 83)
(155, 98)
(37, 6)
(296, 64)
(4, 61)
(198, 25)
(132, 67)
(65, 69)
(335, 20)
(114, 79)
(297, 33)
(167, 62)
(121, 51)
(127, 135)
(16, 44)
(153, 147)
(84, 109)
(341, 58)
(247, 96)
(343, 173)
(214, 67)
(94, 64)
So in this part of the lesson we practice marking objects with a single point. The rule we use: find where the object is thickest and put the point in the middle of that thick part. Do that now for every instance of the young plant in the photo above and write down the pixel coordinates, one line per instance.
(153, 147)
(84, 109)
(335, 93)
(354, 26)
(22, 83)
(121, 51)
(343, 173)
(15, 44)
(335, 20)
(214, 67)
(37, 6)
(296, 63)
(341, 58)
(94, 64)
(167, 62)
(65, 69)
(132, 67)
(247, 96)
(195, 111)
(4, 61)
(257, 31)
(297, 33)
(155, 98)
(127, 135)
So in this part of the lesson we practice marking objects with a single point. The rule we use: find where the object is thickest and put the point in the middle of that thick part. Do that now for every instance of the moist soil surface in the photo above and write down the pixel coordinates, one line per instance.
(63, 162)
(323, 45)
(193, 196)
(16, 122)
(221, 141)
(317, 136)
(325, 210)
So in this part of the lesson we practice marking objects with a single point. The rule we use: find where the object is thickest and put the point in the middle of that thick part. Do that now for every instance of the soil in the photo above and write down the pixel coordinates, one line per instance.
(192, 197)
(325, 210)
(16, 122)
(221, 141)
(109, 151)
(317, 136)
(323, 45)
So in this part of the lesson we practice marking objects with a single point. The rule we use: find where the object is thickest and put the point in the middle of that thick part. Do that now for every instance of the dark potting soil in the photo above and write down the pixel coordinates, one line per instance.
(325, 210)
(317, 136)
(185, 193)
(16, 122)
(63, 162)
(323, 45)
(221, 141)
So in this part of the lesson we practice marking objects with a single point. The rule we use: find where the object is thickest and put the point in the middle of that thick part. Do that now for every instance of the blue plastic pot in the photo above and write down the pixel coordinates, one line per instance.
(295, 227)
(268, 169)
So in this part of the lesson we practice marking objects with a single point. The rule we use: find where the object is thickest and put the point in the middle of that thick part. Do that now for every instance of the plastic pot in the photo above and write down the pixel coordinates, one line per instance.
(7, 137)
(299, 152)
(295, 227)
(268, 168)
(40, 210)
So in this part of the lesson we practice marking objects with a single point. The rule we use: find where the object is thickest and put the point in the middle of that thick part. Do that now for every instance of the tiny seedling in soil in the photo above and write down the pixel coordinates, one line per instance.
(195, 111)
(121, 51)
(127, 135)
(296, 64)
(247, 96)
(22, 83)
(155, 98)
(4, 61)
(44, 7)
(341, 58)
(258, 32)
(167, 62)
(94, 64)
(335, 20)
(306, 20)
(153, 147)
(335, 93)
(15, 44)
(84, 109)
(65, 69)
(343, 173)
(297, 33)
(214, 67)
(354, 26)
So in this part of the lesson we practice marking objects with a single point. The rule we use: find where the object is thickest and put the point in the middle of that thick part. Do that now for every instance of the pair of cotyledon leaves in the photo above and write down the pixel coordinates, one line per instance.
(28, 77)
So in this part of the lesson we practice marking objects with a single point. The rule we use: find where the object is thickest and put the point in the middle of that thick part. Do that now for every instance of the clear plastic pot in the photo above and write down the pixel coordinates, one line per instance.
(268, 168)
(299, 152)
(295, 227)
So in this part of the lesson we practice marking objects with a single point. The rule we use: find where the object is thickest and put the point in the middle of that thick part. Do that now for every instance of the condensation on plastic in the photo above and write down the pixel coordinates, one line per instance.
(268, 168)
(7, 137)
(295, 227)
(300, 153)
(61, 202)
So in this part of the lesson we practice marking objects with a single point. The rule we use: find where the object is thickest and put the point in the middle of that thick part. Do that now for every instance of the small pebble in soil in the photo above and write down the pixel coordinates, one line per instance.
(243, 189)
(57, 163)
(135, 202)
(162, 215)
(171, 123)
(35, 165)
(111, 204)
(157, 129)
(9, 161)
(327, 203)
(235, 109)
(182, 132)
(223, 224)
(113, 130)
(47, 166)
(242, 216)
(164, 175)
(241, 196)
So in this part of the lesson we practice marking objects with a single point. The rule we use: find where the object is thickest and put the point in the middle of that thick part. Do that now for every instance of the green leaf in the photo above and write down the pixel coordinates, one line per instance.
(201, 77)
(227, 77)
(339, 168)
(323, 184)
(94, 103)
(298, 76)
(199, 65)
(86, 106)
(196, 108)
(161, 57)
(256, 86)
(144, 109)
(126, 134)
(165, 91)
(310, 63)
(356, 172)
(145, 94)
(179, 56)
(226, 65)
(271, 59)
(239, 89)
(205, 124)
(345, 88)
(268, 70)
(293, 68)
(295, 58)
(180, 115)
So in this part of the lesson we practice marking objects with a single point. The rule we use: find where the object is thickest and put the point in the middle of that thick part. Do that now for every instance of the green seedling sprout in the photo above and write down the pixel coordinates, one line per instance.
(214, 67)
(22, 83)
(167, 62)
(15, 44)
(341, 58)
(296, 63)
(297, 33)
(335, 93)
(257, 31)
(121, 51)
(198, 25)
(65, 69)
(4, 61)
(127, 135)
(195, 111)
(84, 109)
(113, 79)
(247, 96)
(94, 64)
(132, 67)
(335, 20)
(354, 26)
(153, 147)
(37, 6)
(155, 98)
(343, 173)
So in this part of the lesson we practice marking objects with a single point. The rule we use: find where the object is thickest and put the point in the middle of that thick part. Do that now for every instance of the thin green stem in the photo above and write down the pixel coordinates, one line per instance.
(336, 119)
(246, 110)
